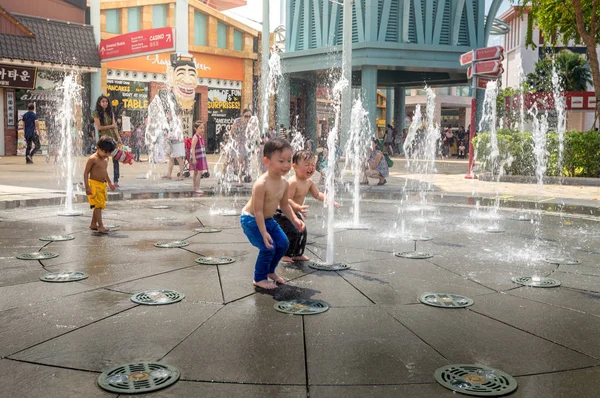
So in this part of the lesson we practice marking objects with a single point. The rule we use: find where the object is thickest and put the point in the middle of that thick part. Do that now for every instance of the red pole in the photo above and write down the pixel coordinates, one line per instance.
(470, 174)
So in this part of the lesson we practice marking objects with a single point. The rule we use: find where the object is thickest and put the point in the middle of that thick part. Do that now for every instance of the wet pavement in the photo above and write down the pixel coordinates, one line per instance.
(376, 339)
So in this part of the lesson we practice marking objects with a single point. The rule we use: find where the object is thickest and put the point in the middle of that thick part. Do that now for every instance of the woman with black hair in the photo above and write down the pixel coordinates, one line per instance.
(105, 122)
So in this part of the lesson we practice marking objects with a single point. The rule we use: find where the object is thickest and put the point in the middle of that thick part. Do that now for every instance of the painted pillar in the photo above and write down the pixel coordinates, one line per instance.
(389, 105)
(181, 23)
(283, 101)
(264, 75)
(369, 94)
(399, 109)
(310, 127)
(96, 77)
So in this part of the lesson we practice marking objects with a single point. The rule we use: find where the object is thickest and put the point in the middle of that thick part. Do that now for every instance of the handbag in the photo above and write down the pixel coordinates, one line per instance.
(389, 160)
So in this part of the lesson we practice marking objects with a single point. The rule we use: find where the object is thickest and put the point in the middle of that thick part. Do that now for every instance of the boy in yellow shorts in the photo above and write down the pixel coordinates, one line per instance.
(95, 178)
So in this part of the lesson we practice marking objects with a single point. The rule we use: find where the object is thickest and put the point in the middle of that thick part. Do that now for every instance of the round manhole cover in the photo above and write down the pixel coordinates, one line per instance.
(70, 213)
(166, 218)
(445, 300)
(414, 255)
(536, 281)
(301, 307)
(419, 238)
(207, 230)
(171, 244)
(140, 377)
(160, 207)
(562, 260)
(64, 276)
(157, 297)
(494, 229)
(56, 238)
(328, 267)
(112, 226)
(37, 256)
(475, 380)
(214, 260)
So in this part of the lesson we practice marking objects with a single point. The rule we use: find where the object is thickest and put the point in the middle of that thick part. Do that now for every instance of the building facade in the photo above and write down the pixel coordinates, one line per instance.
(224, 52)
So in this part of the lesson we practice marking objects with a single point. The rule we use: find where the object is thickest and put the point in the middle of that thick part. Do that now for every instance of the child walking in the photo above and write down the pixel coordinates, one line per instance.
(198, 155)
(304, 164)
(270, 191)
(95, 178)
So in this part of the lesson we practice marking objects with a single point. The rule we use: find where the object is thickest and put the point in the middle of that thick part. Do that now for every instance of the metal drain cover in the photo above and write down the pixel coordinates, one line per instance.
(420, 238)
(494, 229)
(414, 255)
(157, 297)
(214, 260)
(166, 218)
(160, 207)
(171, 244)
(140, 377)
(112, 226)
(207, 230)
(301, 307)
(521, 217)
(562, 260)
(56, 238)
(475, 380)
(64, 276)
(70, 213)
(328, 267)
(36, 256)
(445, 300)
(536, 281)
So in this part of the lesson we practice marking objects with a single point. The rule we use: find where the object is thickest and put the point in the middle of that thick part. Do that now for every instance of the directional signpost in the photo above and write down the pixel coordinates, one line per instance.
(150, 41)
(486, 66)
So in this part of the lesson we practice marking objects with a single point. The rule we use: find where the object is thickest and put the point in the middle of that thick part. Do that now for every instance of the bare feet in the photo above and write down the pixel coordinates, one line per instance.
(287, 259)
(265, 284)
(300, 258)
(166, 177)
(93, 227)
(276, 278)
(103, 230)
(179, 178)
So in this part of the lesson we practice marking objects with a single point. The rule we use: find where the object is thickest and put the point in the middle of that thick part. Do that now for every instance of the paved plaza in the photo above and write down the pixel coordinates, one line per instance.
(376, 340)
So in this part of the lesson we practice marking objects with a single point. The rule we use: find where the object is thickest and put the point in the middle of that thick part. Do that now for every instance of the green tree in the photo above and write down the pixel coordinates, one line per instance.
(563, 20)
(571, 68)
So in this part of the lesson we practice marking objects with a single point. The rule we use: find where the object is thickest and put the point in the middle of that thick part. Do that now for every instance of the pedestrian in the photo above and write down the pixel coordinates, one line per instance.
(263, 232)
(95, 178)
(377, 164)
(198, 161)
(388, 140)
(138, 141)
(300, 184)
(32, 129)
(105, 122)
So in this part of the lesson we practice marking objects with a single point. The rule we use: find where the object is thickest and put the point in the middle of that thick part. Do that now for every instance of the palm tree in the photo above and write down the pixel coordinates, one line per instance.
(572, 69)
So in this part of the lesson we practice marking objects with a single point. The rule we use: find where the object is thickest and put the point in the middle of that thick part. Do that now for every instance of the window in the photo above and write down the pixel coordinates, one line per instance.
(113, 21)
(443, 91)
(464, 91)
(221, 35)
(238, 39)
(133, 19)
(408, 92)
(421, 92)
(199, 29)
(159, 16)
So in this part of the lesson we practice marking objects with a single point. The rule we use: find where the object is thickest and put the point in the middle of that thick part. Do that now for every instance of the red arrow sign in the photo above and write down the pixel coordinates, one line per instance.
(483, 81)
(149, 41)
(482, 54)
(489, 68)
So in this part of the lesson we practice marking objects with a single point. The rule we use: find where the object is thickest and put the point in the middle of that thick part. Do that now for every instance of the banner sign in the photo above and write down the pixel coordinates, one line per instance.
(129, 96)
(224, 106)
(574, 100)
(17, 76)
(482, 54)
(150, 41)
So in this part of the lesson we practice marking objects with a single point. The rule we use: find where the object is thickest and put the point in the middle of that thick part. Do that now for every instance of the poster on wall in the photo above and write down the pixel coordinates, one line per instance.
(224, 106)
(128, 96)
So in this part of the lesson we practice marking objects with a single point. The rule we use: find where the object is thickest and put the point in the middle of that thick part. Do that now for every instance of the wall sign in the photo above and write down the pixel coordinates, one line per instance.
(224, 106)
(136, 43)
(17, 76)
(10, 108)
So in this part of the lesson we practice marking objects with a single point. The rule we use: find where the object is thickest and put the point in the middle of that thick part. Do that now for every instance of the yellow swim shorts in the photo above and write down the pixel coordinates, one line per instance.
(98, 197)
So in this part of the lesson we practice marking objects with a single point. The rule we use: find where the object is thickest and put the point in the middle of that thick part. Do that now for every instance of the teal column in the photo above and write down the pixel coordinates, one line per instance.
(371, 16)
(283, 101)
(399, 109)
(389, 105)
(369, 94)
(310, 128)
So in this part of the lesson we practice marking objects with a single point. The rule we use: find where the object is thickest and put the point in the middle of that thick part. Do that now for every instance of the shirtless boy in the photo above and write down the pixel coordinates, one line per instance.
(95, 178)
(304, 164)
(270, 191)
